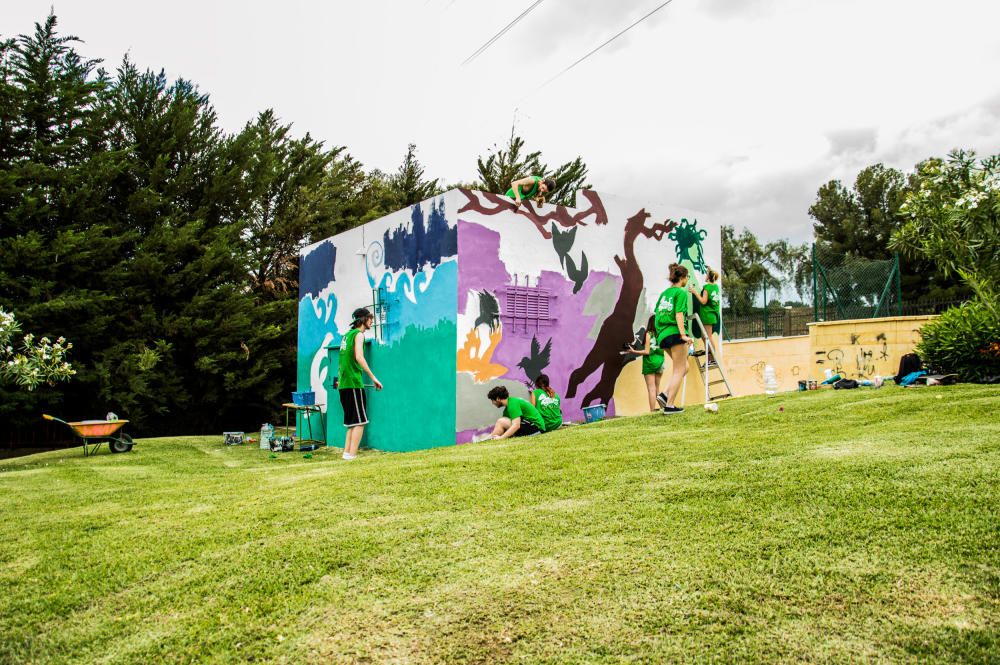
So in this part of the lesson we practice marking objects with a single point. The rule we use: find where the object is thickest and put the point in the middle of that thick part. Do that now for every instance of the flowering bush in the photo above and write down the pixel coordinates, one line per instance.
(35, 362)
(952, 217)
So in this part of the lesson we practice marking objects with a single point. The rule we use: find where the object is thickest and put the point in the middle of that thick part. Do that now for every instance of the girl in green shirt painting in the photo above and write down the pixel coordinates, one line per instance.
(545, 399)
(533, 187)
(671, 334)
(652, 362)
(709, 313)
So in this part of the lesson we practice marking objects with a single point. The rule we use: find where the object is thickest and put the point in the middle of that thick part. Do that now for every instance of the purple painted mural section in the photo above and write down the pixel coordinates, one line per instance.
(481, 268)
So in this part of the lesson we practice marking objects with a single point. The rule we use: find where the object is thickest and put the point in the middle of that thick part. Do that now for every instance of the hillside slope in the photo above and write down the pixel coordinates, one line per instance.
(849, 525)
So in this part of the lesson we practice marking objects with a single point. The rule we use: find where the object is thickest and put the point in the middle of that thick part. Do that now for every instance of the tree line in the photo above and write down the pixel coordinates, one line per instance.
(165, 248)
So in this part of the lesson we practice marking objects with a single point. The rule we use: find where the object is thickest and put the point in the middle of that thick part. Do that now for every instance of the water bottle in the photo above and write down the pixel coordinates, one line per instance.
(266, 434)
(770, 381)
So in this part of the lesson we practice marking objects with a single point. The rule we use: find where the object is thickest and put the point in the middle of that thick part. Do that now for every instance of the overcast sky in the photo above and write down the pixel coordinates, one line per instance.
(738, 108)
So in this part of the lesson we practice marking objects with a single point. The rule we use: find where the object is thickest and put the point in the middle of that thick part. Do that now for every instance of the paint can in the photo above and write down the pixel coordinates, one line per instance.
(813, 385)
(803, 385)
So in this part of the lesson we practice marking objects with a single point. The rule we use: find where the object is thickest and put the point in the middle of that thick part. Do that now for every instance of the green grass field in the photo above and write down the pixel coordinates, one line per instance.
(857, 525)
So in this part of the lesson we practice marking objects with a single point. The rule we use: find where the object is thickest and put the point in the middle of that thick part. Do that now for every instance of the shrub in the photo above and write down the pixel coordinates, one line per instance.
(964, 340)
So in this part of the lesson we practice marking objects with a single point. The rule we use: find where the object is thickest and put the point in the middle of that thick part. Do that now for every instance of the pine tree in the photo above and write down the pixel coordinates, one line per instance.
(501, 166)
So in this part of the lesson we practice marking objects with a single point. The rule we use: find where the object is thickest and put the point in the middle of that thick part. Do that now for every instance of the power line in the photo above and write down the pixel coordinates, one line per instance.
(658, 8)
(502, 32)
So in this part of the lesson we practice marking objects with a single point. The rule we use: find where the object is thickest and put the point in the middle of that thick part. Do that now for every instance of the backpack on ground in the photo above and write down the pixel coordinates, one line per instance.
(908, 364)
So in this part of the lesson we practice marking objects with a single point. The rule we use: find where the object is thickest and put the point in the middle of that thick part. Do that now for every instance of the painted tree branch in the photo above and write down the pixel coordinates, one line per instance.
(617, 328)
(561, 215)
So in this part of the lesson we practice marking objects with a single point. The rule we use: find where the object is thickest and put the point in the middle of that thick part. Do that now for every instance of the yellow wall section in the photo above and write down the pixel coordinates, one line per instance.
(856, 349)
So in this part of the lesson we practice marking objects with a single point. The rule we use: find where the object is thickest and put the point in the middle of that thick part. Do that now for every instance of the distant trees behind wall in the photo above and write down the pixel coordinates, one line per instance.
(164, 248)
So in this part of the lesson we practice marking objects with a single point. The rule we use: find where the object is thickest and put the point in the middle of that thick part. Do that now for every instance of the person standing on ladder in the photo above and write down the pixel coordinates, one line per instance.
(709, 312)
(671, 308)
(533, 187)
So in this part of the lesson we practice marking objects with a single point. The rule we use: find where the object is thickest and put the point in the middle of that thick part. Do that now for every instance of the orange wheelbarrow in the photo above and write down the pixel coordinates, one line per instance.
(95, 432)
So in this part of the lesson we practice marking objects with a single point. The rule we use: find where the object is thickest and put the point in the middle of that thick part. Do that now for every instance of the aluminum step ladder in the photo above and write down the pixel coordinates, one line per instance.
(706, 369)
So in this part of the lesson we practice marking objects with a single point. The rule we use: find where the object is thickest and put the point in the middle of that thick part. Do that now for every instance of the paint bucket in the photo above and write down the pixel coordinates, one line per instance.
(803, 385)
(304, 398)
(592, 414)
(813, 385)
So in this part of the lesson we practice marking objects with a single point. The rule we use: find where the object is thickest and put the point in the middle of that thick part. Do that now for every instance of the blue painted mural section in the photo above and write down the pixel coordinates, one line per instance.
(414, 267)
(316, 269)
(423, 243)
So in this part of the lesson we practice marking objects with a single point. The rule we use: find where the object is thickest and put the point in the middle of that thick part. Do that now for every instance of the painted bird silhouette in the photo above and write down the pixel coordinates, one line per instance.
(563, 241)
(537, 361)
(578, 277)
(489, 311)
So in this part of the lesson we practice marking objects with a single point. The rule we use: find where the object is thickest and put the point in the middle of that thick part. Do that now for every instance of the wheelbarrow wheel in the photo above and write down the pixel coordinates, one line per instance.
(122, 444)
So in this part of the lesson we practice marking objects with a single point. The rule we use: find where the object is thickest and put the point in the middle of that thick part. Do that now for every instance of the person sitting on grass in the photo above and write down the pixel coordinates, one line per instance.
(349, 381)
(549, 406)
(533, 187)
(709, 313)
(672, 337)
(519, 417)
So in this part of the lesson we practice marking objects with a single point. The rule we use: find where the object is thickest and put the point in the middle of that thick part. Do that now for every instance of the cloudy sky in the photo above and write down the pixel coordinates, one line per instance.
(738, 108)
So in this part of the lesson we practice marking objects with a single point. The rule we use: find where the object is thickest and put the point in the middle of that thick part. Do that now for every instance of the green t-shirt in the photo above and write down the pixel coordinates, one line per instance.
(549, 408)
(349, 375)
(653, 363)
(521, 408)
(710, 311)
(673, 300)
(531, 193)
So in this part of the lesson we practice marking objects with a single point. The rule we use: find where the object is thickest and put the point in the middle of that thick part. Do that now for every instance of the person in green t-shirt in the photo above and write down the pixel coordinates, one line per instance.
(671, 334)
(549, 406)
(652, 362)
(533, 187)
(519, 417)
(710, 311)
(349, 381)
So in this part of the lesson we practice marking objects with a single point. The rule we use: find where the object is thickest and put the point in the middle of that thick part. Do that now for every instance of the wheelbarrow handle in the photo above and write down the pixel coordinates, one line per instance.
(48, 417)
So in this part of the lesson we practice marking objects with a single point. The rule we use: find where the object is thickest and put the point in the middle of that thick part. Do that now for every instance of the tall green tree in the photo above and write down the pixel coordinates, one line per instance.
(857, 223)
(57, 246)
(408, 185)
(952, 215)
(500, 166)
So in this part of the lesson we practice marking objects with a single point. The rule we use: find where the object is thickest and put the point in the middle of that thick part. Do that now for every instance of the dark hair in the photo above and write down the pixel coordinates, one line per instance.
(550, 184)
(361, 314)
(677, 272)
(651, 326)
(498, 393)
(542, 381)
(712, 275)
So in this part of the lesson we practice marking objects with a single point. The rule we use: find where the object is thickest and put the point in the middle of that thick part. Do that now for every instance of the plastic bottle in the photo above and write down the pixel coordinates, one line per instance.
(266, 434)
(770, 381)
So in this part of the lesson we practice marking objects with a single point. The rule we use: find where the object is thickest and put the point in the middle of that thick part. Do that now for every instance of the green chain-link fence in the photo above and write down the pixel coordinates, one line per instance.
(848, 287)
(843, 287)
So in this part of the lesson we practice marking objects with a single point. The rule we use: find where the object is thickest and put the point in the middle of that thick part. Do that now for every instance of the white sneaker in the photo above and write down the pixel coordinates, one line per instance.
(348, 456)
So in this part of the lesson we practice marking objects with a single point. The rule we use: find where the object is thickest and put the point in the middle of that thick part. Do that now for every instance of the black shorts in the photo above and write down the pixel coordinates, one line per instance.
(527, 428)
(355, 406)
(671, 341)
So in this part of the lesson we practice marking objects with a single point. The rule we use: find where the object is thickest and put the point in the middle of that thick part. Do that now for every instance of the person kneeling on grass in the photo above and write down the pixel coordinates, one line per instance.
(549, 406)
(349, 381)
(519, 417)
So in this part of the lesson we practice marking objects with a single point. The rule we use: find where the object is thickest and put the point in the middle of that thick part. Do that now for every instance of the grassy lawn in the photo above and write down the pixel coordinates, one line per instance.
(855, 525)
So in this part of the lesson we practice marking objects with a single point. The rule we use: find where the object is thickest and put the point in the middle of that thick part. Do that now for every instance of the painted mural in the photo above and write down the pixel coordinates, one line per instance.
(471, 292)
(598, 268)
(403, 267)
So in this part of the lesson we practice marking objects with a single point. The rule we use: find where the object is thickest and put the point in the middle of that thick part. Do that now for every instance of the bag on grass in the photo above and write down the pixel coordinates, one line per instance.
(908, 364)
(845, 384)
